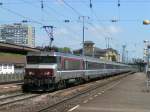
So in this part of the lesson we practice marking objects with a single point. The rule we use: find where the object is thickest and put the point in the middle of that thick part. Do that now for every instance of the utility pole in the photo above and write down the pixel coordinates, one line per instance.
(127, 56)
(118, 3)
(50, 31)
(106, 42)
(42, 5)
(107, 39)
(147, 55)
(123, 53)
(91, 4)
(83, 18)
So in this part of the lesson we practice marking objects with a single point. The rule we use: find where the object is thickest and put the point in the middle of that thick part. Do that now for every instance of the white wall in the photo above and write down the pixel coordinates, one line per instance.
(6, 68)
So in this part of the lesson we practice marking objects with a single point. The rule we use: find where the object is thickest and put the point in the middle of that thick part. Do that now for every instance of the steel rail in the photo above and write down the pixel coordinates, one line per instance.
(79, 94)
(21, 98)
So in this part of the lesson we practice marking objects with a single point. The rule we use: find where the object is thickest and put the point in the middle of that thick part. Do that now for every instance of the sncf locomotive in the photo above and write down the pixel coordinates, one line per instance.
(52, 70)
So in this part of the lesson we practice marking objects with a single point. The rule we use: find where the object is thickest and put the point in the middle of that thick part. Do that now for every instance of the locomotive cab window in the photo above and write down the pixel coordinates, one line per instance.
(41, 59)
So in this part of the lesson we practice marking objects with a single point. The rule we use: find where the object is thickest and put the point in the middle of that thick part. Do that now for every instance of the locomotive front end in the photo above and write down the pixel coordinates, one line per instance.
(40, 73)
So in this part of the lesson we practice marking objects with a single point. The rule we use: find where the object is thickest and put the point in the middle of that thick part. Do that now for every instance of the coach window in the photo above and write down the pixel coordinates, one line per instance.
(109, 66)
(115, 66)
(101, 65)
(72, 65)
(93, 65)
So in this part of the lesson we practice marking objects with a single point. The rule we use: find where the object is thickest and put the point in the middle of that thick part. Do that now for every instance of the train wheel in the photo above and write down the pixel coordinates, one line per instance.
(61, 85)
(25, 88)
(79, 81)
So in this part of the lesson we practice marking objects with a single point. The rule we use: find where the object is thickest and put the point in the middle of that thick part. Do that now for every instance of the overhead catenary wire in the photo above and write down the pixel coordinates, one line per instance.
(78, 13)
(85, 1)
(82, 16)
(105, 32)
(74, 37)
(103, 1)
(92, 25)
(20, 15)
(119, 4)
(27, 19)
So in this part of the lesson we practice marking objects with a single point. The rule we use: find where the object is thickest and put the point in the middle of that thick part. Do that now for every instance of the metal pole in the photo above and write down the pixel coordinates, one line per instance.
(108, 42)
(123, 53)
(49, 30)
(83, 32)
(127, 56)
(83, 36)
(147, 67)
(147, 61)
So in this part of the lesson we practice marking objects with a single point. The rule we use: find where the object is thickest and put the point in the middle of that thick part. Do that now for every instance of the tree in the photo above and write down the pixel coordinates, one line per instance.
(56, 49)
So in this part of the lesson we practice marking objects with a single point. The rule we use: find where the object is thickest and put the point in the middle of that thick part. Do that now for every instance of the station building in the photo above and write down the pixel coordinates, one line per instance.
(13, 58)
(108, 54)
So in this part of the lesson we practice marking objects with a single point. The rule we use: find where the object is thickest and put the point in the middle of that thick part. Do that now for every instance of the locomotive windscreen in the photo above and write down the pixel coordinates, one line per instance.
(41, 59)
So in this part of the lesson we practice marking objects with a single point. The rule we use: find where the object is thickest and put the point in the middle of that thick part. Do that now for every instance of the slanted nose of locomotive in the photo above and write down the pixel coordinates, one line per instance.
(39, 77)
(41, 71)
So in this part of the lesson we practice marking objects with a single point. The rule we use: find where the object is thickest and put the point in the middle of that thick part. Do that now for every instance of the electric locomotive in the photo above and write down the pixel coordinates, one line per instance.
(52, 70)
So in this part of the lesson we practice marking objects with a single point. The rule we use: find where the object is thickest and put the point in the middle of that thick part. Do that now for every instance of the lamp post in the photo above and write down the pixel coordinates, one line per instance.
(146, 22)
(147, 47)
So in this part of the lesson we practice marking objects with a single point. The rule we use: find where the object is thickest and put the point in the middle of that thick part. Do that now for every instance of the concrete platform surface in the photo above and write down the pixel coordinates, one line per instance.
(128, 95)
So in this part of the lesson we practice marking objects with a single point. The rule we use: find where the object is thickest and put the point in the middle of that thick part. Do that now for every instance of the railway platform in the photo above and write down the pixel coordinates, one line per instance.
(128, 95)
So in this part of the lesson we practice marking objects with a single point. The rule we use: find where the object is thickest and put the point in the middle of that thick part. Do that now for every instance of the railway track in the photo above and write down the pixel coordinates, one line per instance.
(12, 82)
(7, 96)
(10, 99)
(65, 100)
(55, 100)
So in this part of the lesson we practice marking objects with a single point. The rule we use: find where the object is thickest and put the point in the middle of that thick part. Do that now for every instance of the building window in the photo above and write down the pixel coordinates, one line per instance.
(9, 66)
(0, 67)
(5, 66)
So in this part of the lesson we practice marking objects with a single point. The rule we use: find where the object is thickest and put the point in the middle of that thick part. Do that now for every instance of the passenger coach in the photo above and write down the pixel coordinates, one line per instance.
(52, 70)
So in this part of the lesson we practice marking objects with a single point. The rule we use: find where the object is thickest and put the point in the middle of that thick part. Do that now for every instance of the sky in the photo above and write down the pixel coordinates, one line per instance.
(126, 30)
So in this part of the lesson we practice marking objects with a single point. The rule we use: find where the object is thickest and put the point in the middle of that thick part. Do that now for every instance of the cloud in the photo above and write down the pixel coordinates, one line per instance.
(67, 36)
(104, 31)
(61, 32)
(61, 2)
(114, 29)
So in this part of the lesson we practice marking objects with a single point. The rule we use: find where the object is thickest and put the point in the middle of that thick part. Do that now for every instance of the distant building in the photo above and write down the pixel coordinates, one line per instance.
(6, 68)
(17, 33)
(109, 54)
(12, 63)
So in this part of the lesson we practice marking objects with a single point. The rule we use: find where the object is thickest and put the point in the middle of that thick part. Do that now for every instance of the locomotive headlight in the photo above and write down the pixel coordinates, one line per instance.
(31, 73)
(46, 73)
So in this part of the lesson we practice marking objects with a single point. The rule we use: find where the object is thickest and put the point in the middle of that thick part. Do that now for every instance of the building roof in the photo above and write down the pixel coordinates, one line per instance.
(111, 49)
(16, 48)
(12, 59)
(97, 51)
(89, 42)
